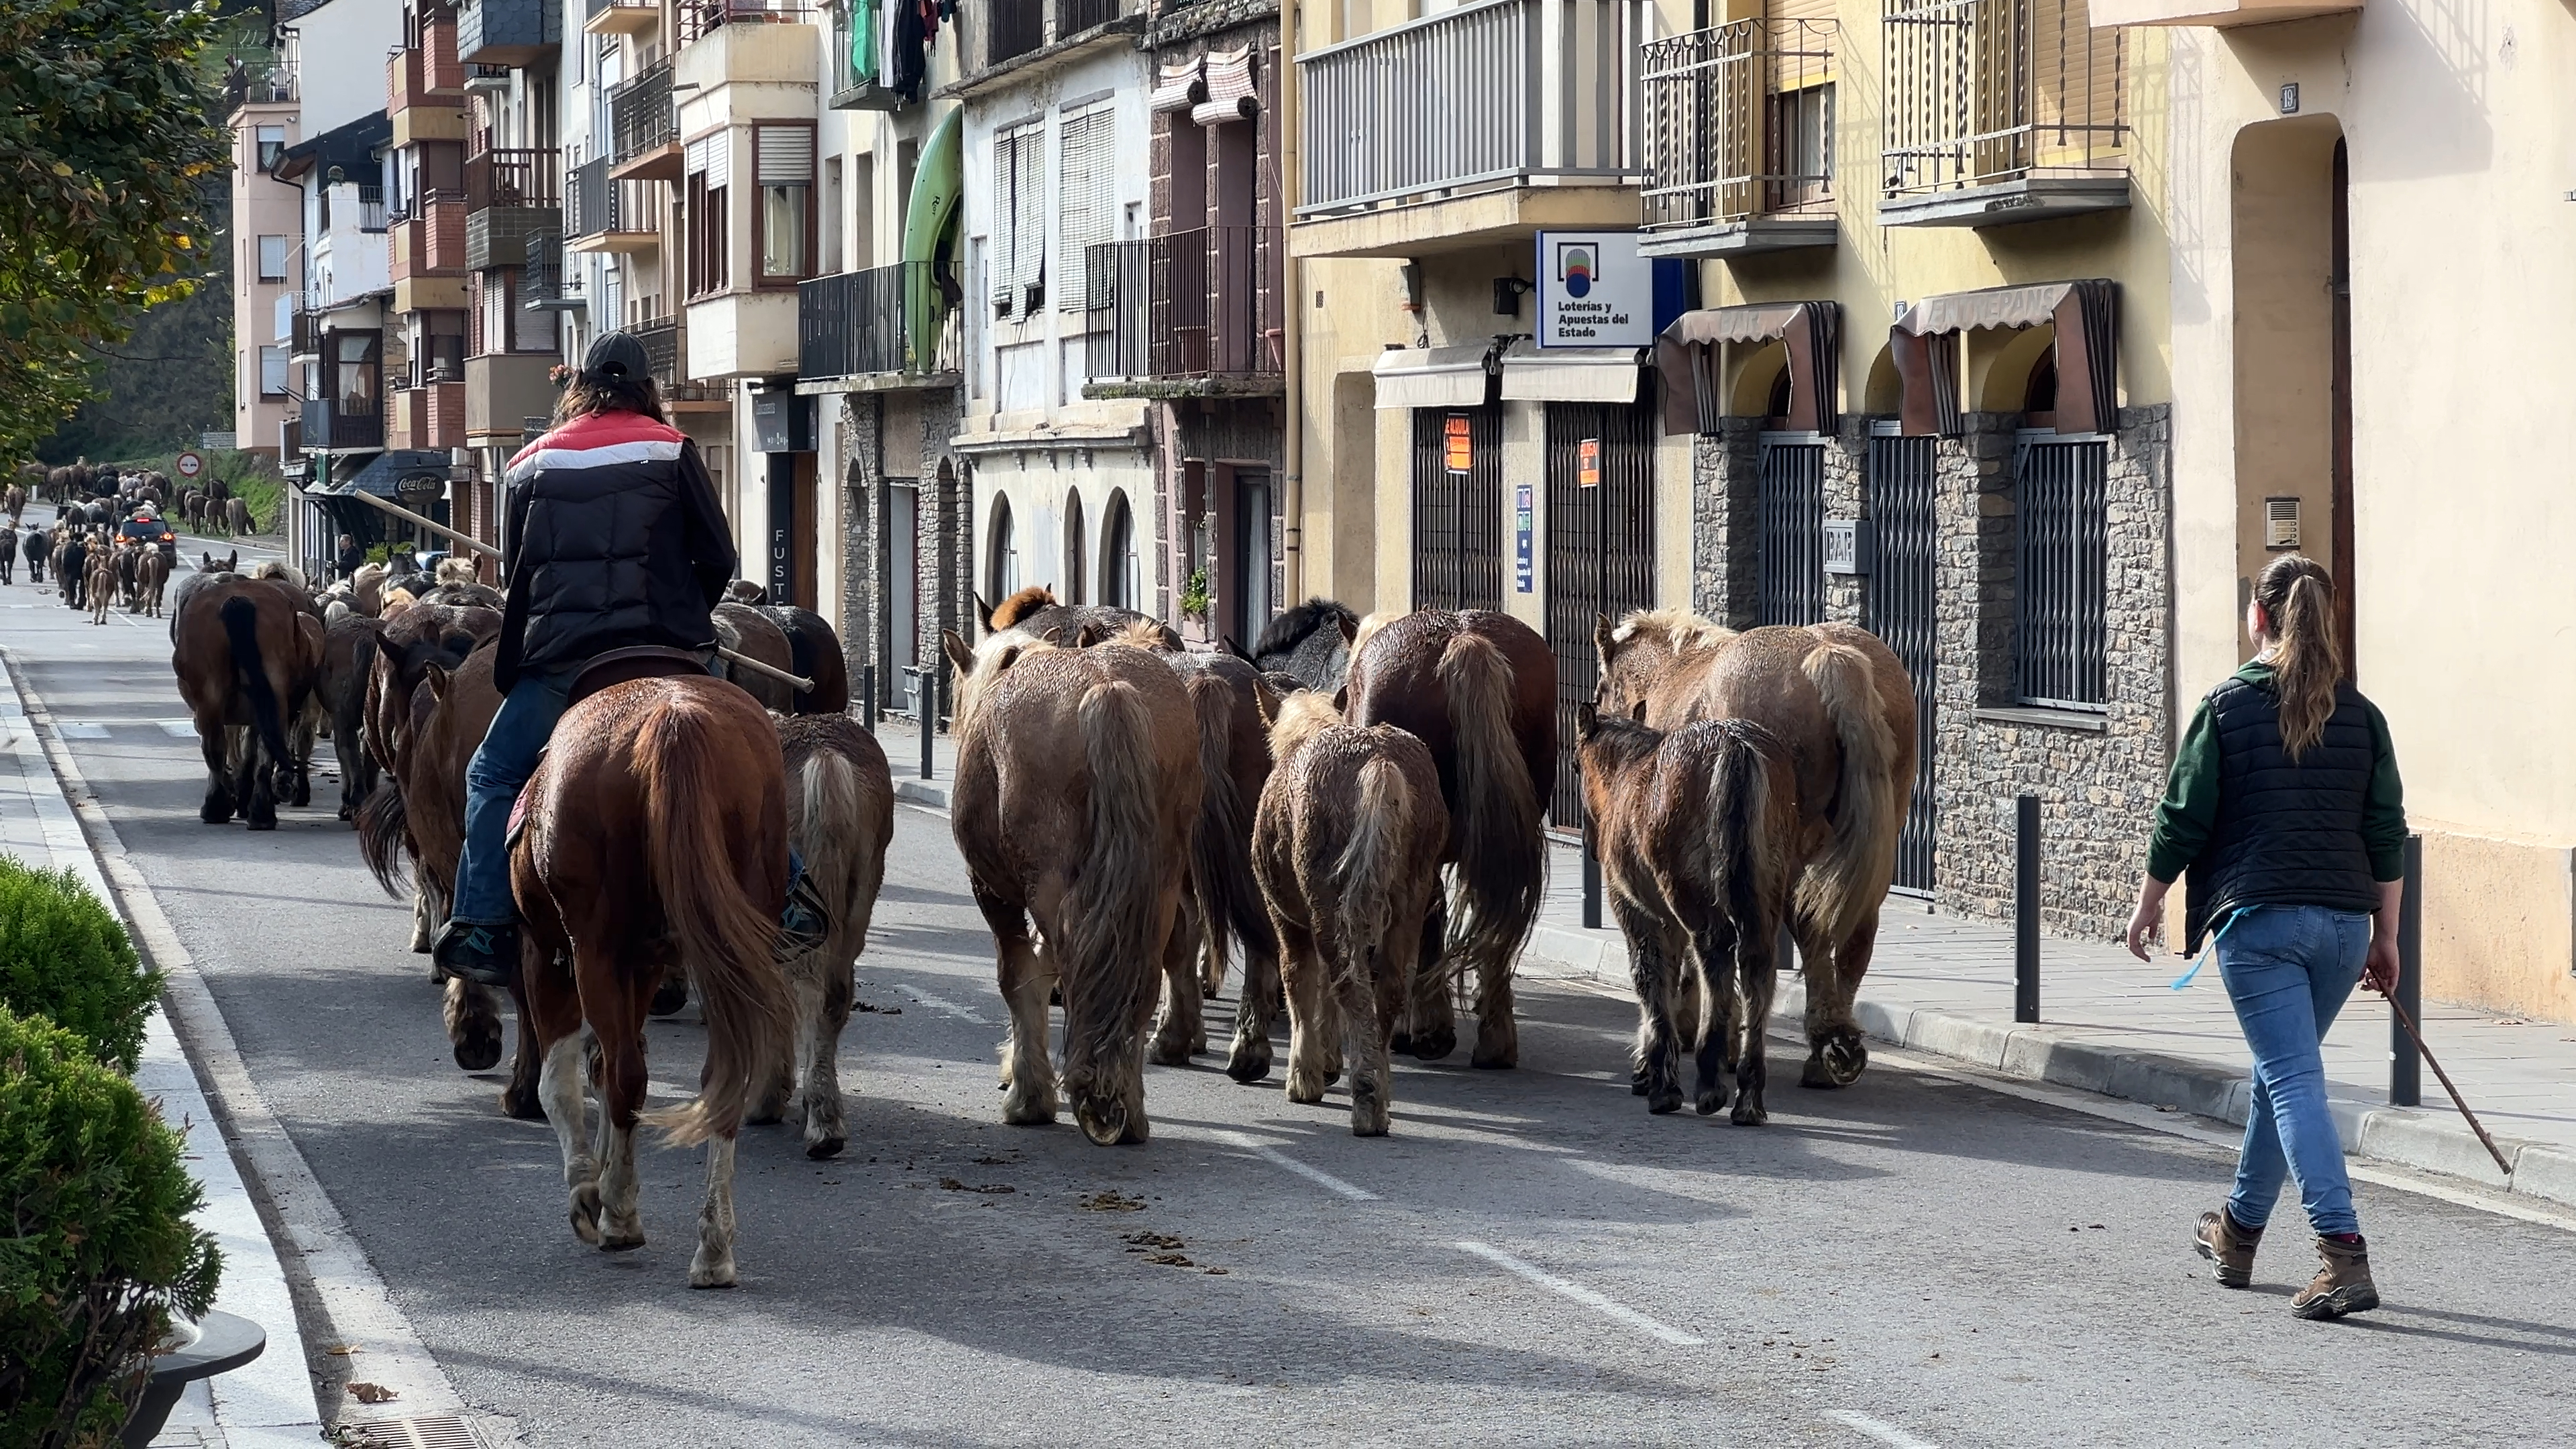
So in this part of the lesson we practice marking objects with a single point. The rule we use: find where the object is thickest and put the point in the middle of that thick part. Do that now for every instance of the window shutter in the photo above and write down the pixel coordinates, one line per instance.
(786, 155)
(1085, 205)
(1028, 220)
(712, 157)
(1006, 217)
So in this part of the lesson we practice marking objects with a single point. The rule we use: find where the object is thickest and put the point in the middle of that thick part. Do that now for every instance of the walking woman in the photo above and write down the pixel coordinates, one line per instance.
(2285, 807)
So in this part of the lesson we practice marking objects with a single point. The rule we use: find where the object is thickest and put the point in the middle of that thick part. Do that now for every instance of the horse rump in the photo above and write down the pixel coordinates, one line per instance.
(1110, 949)
(1846, 882)
(1501, 859)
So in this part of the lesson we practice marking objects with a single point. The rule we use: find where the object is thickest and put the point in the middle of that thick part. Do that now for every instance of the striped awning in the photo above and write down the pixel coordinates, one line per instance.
(1690, 356)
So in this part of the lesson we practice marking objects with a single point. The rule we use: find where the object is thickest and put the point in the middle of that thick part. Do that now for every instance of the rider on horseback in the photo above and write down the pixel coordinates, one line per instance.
(615, 540)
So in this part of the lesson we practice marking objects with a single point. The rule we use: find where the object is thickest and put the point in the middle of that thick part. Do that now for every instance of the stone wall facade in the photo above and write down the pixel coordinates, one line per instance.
(2098, 775)
(903, 441)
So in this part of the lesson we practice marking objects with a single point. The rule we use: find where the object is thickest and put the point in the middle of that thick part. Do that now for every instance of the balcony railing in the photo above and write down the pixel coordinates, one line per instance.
(1193, 304)
(666, 349)
(1988, 91)
(511, 176)
(549, 285)
(1487, 94)
(622, 17)
(850, 90)
(343, 423)
(640, 115)
(702, 18)
(859, 324)
(598, 204)
(1739, 122)
(1012, 28)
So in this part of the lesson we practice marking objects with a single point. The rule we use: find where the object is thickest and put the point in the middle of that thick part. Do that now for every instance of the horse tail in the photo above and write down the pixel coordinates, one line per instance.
(833, 816)
(384, 833)
(1739, 860)
(725, 937)
(1110, 954)
(1500, 858)
(1220, 860)
(241, 630)
(1845, 883)
(1372, 860)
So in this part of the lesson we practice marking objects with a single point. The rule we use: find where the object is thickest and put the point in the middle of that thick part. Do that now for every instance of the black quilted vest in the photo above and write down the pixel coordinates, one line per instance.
(2287, 834)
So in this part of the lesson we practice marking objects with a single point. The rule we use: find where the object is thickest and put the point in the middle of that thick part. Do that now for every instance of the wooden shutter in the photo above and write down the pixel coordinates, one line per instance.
(1085, 206)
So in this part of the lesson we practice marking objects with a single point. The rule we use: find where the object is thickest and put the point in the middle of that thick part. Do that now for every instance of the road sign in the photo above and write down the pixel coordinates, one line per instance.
(190, 465)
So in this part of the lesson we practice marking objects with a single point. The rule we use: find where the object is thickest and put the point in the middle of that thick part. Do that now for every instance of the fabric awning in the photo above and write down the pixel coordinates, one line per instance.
(1434, 377)
(385, 473)
(1230, 92)
(1532, 373)
(1689, 354)
(2085, 314)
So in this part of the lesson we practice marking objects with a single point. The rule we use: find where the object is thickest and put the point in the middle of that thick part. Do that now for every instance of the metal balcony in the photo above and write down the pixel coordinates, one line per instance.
(1739, 139)
(343, 425)
(702, 18)
(1486, 95)
(519, 33)
(644, 127)
(548, 285)
(2001, 111)
(604, 214)
(859, 324)
(665, 341)
(1189, 313)
(511, 194)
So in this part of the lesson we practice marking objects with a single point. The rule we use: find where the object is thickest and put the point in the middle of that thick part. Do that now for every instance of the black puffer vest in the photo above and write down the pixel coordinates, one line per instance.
(2287, 834)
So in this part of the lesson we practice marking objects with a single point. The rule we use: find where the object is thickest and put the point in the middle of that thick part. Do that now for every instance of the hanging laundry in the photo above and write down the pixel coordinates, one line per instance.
(863, 42)
(907, 67)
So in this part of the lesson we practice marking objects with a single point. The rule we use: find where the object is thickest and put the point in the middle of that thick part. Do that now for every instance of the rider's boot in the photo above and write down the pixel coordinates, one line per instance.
(485, 955)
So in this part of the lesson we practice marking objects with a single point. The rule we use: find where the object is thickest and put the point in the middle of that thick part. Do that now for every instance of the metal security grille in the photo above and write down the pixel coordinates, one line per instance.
(1789, 527)
(1458, 517)
(2061, 566)
(1600, 558)
(1903, 605)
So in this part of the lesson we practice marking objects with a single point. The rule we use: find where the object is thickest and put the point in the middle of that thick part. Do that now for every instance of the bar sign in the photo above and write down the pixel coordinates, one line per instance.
(1524, 538)
(1459, 439)
(1587, 463)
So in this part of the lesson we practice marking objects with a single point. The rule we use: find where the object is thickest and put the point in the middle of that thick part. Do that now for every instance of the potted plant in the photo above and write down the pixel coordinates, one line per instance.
(1195, 604)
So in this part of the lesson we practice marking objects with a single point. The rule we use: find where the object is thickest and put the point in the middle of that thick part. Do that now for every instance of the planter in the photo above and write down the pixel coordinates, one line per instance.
(217, 1343)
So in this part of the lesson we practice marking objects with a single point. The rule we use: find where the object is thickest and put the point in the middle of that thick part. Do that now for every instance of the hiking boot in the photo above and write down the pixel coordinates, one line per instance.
(805, 924)
(2342, 1285)
(2221, 1241)
(484, 955)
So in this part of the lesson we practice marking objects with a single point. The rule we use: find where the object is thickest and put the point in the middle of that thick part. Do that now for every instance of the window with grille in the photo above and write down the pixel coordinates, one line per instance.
(272, 259)
(1088, 210)
(785, 157)
(710, 169)
(2061, 562)
(1019, 221)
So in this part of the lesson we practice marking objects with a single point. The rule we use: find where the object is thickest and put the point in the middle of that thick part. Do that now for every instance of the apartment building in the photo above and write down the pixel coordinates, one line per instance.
(1786, 312)
(268, 258)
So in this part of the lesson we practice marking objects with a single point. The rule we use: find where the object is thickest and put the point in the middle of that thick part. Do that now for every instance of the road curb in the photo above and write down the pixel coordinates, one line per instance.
(2426, 1139)
(932, 793)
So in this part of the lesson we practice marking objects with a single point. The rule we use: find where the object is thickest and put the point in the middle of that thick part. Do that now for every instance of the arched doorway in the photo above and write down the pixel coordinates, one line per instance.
(1001, 553)
(1074, 552)
(1118, 582)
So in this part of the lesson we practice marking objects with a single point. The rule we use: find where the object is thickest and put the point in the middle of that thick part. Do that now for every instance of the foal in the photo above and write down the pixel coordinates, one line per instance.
(1700, 837)
(1347, 848)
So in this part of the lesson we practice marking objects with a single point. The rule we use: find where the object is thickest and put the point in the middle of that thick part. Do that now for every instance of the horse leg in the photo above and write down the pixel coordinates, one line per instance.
(1757, 972)
(770, 1099)
(819, 1047)
(1498, 1036)
(1257, 997)
(1365, 993)
(1651, 967)
(712, 1266)
(1302, 973)
(1027, 980)
(560, 1084)
(1713, 962)
(1183, 1029)
(424, 923)
(520, 1099)
(1836, 1048)
(218, 806)
(616, 1013)
(1433, 1031)
(473, 1018)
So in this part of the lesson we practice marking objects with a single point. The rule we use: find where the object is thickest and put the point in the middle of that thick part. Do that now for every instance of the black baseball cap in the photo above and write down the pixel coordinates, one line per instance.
(616, 355)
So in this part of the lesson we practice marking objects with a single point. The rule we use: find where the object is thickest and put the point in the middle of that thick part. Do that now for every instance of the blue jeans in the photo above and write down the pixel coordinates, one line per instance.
(501, 767)
(2288, 970)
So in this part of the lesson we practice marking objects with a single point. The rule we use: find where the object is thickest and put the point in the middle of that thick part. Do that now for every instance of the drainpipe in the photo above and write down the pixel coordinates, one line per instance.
(1292, 315)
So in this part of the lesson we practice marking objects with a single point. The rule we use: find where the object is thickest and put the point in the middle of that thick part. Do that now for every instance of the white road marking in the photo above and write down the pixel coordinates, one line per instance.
(1580, 1294)
(81, 731)
(178, 729)
(1883, 1432)
(1315, 1175)
(937, 1004)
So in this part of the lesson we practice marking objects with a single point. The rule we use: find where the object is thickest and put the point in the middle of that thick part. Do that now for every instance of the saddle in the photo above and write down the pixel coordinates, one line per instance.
(617, 666)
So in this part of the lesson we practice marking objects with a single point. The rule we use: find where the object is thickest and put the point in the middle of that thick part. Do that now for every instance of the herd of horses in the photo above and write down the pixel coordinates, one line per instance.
(1352, 806)
(93, 487)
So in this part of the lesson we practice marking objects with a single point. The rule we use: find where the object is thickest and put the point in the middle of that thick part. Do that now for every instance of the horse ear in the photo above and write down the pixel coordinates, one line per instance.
(1604, 638)
(232, 560)
(983, 613)
(1637, 711)
(435, 676)
(1342, 700)
(1587, 721)
(1086, 636)
(1348, 623)
(956, 650)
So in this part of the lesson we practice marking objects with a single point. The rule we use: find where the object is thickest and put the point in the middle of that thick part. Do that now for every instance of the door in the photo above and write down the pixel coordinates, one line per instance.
(1458, 507)
(1902, 602)
(900, 586)
(806, 576)
(1252, 554)
(1600, 556)
(1789, 532)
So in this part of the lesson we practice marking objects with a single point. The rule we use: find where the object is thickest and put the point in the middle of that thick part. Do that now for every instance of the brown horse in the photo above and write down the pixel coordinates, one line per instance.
(656, 841)
(100, 587)
(1310, 642)
(1479, 690)
(1078, 784)
(151, 580)
(1701, 834)
(242, 664)
(1347, 846)
(1839, 699)
(1036, 611)
(840, 818)
(813, 652)
(348, 661)
(748, 631)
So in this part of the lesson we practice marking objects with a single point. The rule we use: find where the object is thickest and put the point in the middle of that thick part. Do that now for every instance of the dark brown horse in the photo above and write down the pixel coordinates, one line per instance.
(1311, 643)
(1479, 690)
(813, 652)
(348, 660)
(749, 631)
(1701, 834)
(1841, 702)
(656, 842)
(243, 665)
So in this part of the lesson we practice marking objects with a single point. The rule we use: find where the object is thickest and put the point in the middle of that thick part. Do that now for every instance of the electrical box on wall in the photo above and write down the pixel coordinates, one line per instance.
(2280, 523)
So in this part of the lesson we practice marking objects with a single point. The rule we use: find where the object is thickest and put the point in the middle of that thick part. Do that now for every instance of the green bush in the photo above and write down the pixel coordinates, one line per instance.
(96, 1251)
(63, 956)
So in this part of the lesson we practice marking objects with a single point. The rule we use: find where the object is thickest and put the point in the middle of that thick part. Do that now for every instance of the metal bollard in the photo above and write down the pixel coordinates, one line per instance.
(868, 693)
(927, 708)
(1591, 880)
(2026, 909)
(2405, 1080)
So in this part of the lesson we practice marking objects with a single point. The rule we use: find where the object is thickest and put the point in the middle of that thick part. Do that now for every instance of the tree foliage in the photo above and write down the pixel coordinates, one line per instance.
(109, 138)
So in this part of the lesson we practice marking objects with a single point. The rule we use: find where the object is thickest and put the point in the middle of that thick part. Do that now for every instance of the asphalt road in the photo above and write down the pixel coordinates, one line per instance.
(1530, 1258)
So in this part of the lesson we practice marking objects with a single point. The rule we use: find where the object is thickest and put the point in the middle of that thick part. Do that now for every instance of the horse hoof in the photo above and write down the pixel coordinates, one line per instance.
(1845, 1057)
(1500, 1059)
(521, 1106)
(827, 1146)
(1168, 1053)
(1248, 1065)
(669, 997)
(585, 1213)
(1304, 1088)
(216, 811)
(1027, 1109)
(1104, 1121)
(706, 1272)
(764, 1114)
(478, 1051)
(1637, 1082)
(1667, 1100)
(263, 822)
(624, 1240)
(1748, 1113)
(1431, 1046)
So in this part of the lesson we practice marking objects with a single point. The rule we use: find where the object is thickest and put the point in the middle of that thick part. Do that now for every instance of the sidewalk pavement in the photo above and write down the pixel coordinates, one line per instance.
(2112, 1024)
(269, 1402)
(2109, 1023)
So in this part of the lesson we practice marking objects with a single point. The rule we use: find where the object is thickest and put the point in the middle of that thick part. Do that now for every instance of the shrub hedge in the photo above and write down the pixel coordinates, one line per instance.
(64, 956)
(96, 1252)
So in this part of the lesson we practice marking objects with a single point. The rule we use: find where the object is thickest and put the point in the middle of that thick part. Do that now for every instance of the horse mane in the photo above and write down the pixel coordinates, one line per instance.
(1369, 626)
(1021, 605)
(1301, 717)
(456, 571)
(1291, 628)
(1145, 634)
(1680, 629)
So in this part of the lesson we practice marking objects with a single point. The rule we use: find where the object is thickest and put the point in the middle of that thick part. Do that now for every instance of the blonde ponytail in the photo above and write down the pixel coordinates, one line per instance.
(2297, 596)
